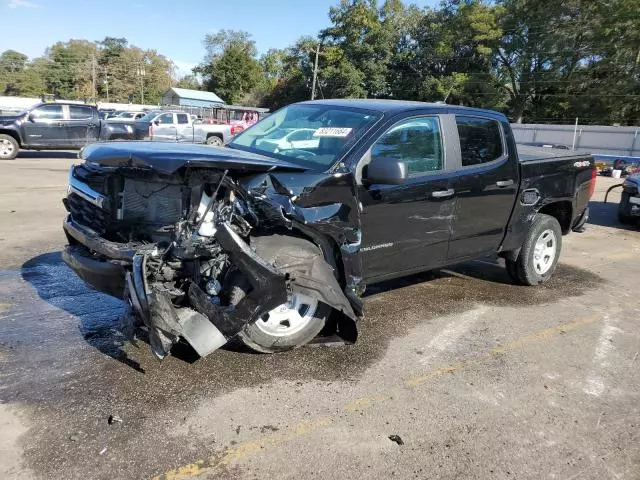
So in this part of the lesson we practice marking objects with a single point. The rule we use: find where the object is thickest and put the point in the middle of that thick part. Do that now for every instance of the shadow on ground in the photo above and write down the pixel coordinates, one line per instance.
(47, 154)
(606, 215)
(391, 308)
(100, 315)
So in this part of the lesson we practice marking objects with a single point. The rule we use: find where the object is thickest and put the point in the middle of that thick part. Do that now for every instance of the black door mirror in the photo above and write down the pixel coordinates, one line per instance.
(32, 117)
(386, 170)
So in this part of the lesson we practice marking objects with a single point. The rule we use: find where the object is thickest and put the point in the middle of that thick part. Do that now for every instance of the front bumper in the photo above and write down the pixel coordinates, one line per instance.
(120, 270)
(106, 276)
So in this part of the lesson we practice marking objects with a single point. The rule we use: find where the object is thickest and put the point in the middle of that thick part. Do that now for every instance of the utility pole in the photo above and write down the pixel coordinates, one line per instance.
(141, 74)
(106, 83)
(93, 77)
(315, 74)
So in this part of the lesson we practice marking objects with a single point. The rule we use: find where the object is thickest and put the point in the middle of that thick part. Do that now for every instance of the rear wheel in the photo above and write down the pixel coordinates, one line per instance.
(214, 141)
(540, 251)
(9, 147)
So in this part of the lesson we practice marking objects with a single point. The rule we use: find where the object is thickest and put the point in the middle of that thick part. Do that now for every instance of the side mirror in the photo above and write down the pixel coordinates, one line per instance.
(386, 171)
(157, 122)
(32, 117)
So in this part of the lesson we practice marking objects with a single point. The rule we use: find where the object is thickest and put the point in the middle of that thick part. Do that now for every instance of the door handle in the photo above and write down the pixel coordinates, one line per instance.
(504, 183)
(60, 124)
(443, 193)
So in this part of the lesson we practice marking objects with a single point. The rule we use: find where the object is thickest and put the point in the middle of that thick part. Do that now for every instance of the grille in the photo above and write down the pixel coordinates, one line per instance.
(87, 214)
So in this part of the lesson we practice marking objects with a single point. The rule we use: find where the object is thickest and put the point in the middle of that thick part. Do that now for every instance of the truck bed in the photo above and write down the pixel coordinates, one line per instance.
(527, 153)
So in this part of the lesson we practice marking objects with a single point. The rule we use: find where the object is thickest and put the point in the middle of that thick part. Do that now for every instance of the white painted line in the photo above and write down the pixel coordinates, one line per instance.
(451, 333)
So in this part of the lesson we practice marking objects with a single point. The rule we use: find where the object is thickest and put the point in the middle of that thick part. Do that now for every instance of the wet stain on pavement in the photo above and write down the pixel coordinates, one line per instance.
(60, 340)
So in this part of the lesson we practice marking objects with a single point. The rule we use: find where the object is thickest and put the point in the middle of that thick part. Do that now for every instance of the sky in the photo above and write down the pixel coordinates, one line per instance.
(174, 28)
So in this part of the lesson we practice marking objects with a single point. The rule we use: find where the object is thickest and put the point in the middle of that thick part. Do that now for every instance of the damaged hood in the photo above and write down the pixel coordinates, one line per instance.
(168, 157)
(8, 119)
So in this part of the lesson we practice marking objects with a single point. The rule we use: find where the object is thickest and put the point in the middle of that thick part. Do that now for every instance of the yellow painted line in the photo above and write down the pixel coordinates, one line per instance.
(246, 449)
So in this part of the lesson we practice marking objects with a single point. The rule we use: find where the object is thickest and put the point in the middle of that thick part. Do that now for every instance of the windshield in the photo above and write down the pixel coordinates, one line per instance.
(310, 135)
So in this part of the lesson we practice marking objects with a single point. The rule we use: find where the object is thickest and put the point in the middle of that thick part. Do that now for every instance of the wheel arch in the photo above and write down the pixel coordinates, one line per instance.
(323, 275)
(561, 210)
(12, 133)
(214, 134)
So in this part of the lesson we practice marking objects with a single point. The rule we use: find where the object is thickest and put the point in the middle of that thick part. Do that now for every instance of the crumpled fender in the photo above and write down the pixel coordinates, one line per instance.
(308, 272)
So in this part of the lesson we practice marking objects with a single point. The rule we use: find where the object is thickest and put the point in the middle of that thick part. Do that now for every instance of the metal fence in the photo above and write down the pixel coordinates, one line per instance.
(604, 140)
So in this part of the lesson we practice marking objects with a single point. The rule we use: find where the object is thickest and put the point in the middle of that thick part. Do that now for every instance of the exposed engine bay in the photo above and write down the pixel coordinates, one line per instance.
(202, 254)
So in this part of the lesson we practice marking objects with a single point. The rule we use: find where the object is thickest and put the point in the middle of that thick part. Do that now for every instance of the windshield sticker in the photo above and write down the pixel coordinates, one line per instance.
(332, 132)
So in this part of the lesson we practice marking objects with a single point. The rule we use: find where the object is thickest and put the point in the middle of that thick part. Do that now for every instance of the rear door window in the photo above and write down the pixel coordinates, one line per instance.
(480, 140)
(182, 118)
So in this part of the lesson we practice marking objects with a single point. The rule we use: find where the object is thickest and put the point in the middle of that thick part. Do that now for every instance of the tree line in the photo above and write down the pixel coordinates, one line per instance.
(109, 69)
(535, 60)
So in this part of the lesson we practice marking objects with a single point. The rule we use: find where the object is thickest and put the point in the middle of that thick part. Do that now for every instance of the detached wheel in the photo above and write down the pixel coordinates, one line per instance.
(9, 147)
(214, 141)
(540, 252)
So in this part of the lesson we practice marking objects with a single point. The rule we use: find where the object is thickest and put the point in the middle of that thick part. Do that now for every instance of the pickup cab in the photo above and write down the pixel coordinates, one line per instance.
(183, 128)
(272, 246)
(56, 126)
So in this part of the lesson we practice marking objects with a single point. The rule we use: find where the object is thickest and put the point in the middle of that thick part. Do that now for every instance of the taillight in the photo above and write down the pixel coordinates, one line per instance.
(151, 129)
(236, 129)
(592, 185)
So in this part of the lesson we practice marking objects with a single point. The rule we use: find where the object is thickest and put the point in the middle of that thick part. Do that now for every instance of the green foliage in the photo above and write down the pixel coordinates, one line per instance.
(230, 68)
(83, 70)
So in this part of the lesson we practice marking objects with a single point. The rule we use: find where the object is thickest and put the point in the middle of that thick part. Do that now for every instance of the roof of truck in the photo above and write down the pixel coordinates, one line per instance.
(393, 106)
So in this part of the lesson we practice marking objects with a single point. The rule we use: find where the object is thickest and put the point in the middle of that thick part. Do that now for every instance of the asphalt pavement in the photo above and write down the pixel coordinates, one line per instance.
(457, 373)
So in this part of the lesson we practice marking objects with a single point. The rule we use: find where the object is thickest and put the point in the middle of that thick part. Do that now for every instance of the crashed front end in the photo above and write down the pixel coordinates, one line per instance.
(166, 237)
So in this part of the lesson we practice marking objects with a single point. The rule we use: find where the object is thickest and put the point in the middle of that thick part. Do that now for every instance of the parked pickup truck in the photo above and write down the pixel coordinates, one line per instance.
(273, 248)
(164, 126)
(56, 126)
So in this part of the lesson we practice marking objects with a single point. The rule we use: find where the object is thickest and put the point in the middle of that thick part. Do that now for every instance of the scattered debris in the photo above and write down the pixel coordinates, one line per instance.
(264, 428)
(113, 418)
(74, 438)
(238, 429)
(396, 439)
(103, 451)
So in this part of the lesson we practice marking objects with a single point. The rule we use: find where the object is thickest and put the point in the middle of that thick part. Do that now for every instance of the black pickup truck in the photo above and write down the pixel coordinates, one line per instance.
(272, 242)
(56, 126)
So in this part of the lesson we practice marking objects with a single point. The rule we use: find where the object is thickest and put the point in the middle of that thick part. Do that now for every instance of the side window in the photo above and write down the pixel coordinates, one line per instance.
(80, 112)
(182, 118)
(415, 141)
(48, 112)
(480, 140)
(165, 118)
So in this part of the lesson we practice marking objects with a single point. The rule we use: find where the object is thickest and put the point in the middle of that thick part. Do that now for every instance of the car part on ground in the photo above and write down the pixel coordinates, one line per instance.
(629, 205)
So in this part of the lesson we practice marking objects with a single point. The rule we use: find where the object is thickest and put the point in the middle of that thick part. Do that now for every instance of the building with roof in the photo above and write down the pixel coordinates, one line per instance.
(190, 98)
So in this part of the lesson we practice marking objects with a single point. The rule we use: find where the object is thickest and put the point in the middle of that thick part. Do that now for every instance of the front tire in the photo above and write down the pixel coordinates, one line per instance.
(9, 147)
(285, 327)
(540, 251)
(214, 141)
